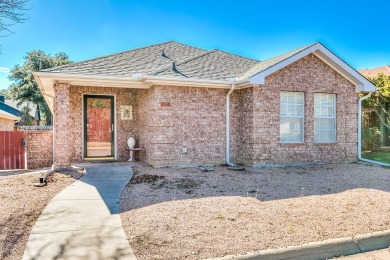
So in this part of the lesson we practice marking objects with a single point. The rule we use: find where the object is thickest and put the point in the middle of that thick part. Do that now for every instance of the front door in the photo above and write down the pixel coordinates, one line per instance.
(98, 127)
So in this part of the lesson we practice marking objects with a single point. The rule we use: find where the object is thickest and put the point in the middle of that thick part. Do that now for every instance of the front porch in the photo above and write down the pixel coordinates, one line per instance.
(89, 123)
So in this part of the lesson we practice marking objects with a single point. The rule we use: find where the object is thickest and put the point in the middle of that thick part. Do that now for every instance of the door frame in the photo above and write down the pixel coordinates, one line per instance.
(84, 125)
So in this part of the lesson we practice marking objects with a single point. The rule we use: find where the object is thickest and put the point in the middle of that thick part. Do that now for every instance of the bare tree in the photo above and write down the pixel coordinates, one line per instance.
(11, 12)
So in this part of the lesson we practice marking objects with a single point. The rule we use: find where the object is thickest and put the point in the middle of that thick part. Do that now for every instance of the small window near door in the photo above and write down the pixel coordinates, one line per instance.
(291, 117)
(324, 118)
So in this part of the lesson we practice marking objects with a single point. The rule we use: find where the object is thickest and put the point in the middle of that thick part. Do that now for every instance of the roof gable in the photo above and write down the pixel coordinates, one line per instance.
(262, 65)
(262, 70)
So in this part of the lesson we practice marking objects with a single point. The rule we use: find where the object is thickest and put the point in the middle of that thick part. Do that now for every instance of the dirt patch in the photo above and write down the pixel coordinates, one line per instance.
(229, 212)
(22, 203)
(145, 178)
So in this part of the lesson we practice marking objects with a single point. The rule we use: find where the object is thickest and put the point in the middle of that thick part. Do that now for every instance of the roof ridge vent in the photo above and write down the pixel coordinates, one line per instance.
(163, 54)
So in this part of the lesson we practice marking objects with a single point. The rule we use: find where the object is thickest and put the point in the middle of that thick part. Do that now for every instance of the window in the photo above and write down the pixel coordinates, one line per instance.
(324, 118)
(291, 117)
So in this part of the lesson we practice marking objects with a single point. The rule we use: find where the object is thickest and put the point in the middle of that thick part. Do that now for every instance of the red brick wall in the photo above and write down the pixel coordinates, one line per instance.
(62, 126)
(183, 117)
(145, 122)
(241, 119)
(39, 145)
(309, 75)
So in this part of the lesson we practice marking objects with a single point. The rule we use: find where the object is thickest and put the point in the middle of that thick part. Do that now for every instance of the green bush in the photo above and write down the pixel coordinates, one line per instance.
(371, 137)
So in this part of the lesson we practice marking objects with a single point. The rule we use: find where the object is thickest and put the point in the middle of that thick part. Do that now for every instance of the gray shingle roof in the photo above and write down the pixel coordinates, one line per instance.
(157, 60)
(215, 64)
(142, 60)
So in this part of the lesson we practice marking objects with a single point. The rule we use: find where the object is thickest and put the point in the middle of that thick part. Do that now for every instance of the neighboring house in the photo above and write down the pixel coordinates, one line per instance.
(8, 116)
(11, 106)
(370, 73)
(189, 106)
(31, 115)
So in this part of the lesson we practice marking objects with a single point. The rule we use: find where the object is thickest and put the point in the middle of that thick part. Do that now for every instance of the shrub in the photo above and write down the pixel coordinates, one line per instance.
(371, 137)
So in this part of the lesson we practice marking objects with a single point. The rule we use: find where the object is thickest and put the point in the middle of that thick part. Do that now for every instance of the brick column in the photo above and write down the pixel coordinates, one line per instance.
(61, 126)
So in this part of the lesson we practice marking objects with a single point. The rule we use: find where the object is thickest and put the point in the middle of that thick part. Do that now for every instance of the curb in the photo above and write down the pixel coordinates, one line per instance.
(326, 249)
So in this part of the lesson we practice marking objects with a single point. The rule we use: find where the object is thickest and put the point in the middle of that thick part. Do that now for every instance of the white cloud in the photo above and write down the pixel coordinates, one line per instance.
(4, 70)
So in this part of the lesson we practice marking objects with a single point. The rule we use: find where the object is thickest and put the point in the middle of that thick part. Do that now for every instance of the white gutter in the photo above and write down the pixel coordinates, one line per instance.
(210, 82)
(228, 162)
(52, 122)
(360, 134)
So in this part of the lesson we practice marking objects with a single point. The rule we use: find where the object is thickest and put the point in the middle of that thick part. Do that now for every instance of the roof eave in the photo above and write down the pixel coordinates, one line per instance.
(9, 116)
(191, 82)
(46, 81)
(360, 82)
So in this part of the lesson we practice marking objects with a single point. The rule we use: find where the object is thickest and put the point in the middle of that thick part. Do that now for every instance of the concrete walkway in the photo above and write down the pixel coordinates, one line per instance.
(83, 221)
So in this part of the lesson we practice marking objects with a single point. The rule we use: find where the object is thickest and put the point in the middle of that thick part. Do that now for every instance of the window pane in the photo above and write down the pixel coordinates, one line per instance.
(291, 104)
(291, 113)
(324, 130)
(283, 108)
(330, 111)
(291, 130)
(324, 118)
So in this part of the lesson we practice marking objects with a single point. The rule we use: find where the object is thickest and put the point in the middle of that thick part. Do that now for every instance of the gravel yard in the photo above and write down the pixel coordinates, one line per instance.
(190, 214)
(21, 204)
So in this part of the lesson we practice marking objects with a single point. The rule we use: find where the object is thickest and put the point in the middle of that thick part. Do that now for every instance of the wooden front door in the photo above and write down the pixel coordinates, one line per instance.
(98, 126)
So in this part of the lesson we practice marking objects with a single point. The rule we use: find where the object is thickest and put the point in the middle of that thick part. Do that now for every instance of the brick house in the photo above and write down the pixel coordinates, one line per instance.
(189, 106)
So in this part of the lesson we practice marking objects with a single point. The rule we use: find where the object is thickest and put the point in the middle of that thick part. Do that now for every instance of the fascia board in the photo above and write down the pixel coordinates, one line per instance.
(153, 80)
(44, 90)
(6, 115)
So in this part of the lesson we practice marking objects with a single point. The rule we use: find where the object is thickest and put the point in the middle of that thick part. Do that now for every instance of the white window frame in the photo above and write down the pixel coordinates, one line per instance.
(301, 117)
(326, 117)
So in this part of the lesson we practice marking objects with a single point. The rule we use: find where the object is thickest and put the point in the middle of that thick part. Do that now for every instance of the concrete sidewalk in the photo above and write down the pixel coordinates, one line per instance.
(383, 254)
(83, 221)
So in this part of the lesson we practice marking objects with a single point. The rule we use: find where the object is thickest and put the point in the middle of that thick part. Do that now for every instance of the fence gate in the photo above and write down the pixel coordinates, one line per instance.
(12, 151)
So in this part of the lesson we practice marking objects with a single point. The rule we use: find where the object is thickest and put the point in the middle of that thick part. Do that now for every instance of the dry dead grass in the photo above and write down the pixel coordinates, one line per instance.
(21, 204)
(188, 214)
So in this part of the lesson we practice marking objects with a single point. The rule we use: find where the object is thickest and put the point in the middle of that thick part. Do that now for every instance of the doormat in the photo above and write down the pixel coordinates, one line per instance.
(102, 161)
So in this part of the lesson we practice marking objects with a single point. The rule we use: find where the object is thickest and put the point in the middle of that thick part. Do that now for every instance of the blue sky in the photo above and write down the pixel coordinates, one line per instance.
(357, 31)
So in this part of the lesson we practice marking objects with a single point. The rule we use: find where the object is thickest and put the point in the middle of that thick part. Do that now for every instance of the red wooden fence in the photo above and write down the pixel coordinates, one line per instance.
(12, 151)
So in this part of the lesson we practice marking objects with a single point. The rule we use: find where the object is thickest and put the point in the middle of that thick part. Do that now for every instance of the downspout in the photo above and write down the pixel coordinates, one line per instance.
(228, 162)
(52, 122)
(360, 134)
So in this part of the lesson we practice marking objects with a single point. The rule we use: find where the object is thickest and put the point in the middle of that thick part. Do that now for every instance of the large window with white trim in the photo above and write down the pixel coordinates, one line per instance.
(324, 118)
(291, 117)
